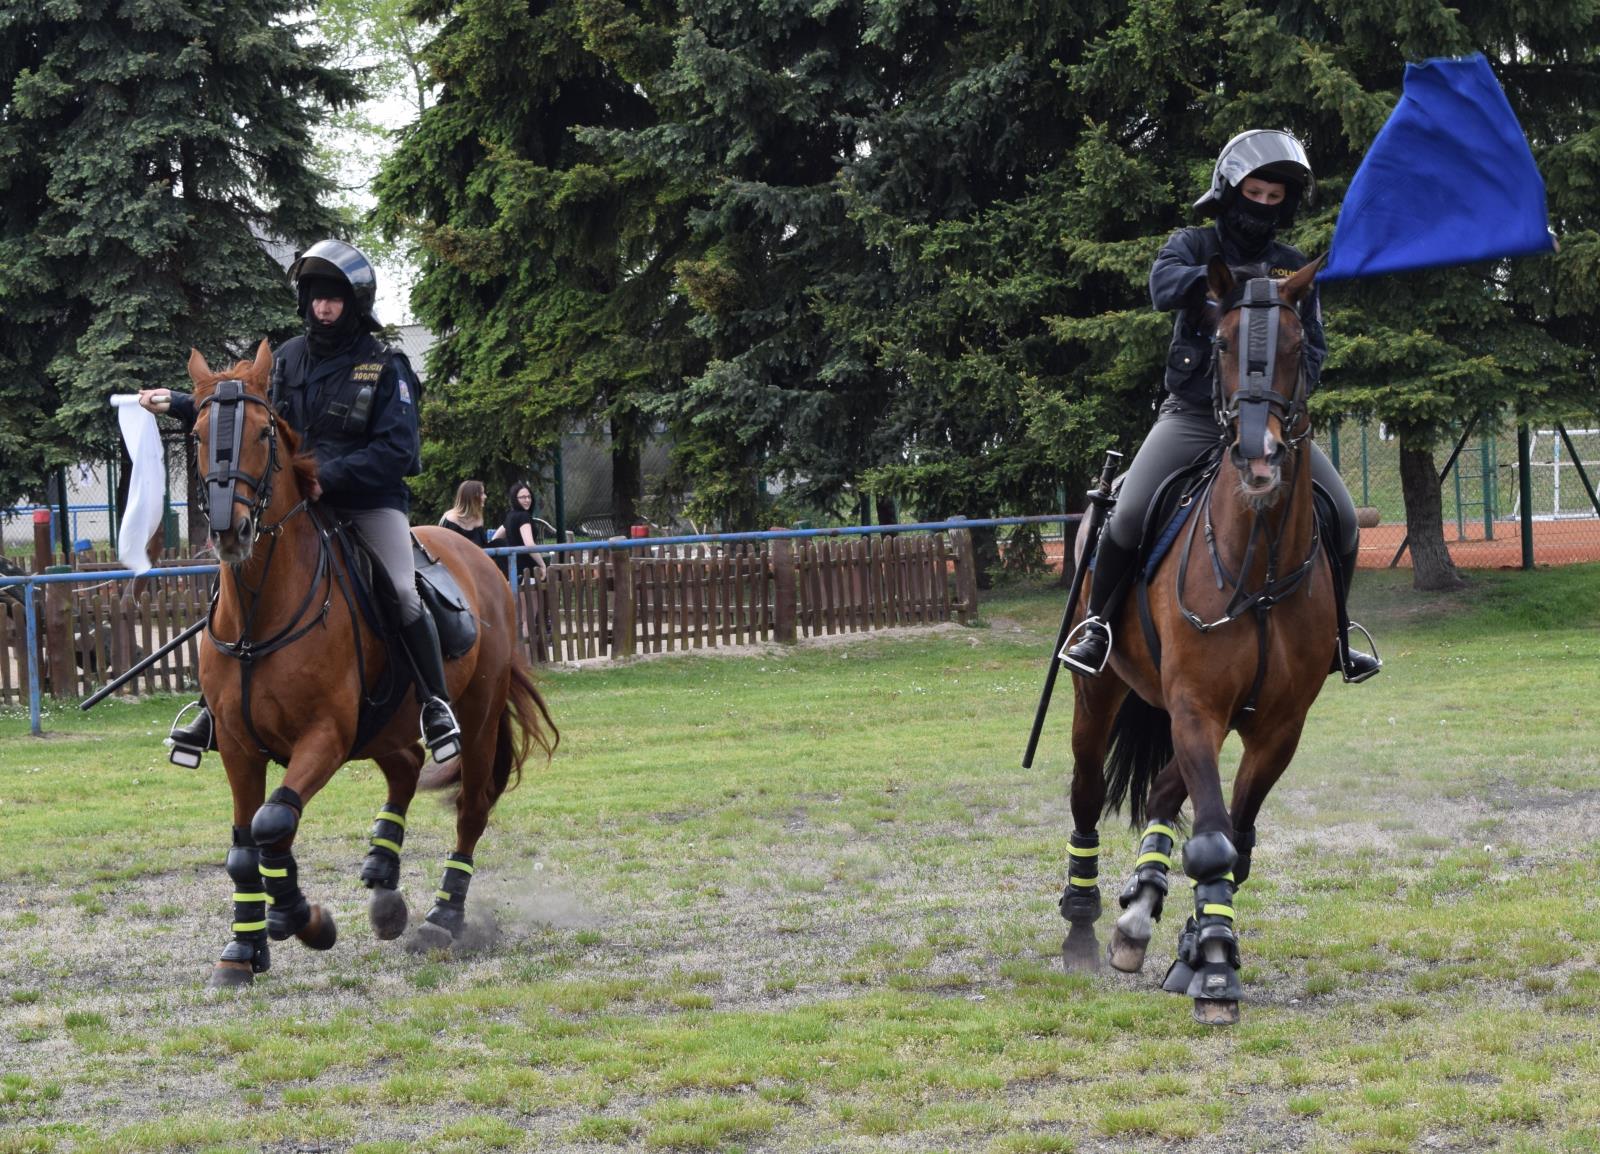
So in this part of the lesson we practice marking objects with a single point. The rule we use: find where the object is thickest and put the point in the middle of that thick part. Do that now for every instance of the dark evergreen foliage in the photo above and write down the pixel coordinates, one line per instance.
(898, 249)
(144, 147)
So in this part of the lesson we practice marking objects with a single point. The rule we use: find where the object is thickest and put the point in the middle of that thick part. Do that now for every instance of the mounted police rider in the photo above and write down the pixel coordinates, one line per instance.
(1259, 179)
(353, 401)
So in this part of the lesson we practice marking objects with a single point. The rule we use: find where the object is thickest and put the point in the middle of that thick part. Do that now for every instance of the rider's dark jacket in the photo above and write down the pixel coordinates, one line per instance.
(356, 412)
(1178, 281)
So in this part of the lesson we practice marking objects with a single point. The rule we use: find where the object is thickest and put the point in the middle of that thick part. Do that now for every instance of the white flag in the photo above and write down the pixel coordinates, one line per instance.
(147, 484)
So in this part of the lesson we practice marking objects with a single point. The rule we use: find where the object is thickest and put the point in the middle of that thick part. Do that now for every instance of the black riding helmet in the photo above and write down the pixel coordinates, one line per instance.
(1267, 154)
(340, 262)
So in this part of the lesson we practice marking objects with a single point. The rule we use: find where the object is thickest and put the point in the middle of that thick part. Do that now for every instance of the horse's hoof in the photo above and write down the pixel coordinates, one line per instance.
(388, 914)
(431, 937)
(231, 976)
(1125, 953)
(319, 933)
(1213, 1013)
(1080, 952)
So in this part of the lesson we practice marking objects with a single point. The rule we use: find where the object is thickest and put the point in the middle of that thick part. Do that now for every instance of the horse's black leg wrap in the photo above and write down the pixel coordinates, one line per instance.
(1080, 901)
(449, 910)
(1150, 869)
(274, 825)
(249, 943)
(382, 867)
(277, 820)
(1209, 859)
(1208, 855)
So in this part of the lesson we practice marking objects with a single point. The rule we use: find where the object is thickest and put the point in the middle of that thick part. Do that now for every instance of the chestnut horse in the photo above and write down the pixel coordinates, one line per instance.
(291, 661)
(1244, 620)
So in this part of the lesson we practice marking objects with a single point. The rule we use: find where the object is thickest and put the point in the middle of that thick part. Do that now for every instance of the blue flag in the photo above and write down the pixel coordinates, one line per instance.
(1449, 180)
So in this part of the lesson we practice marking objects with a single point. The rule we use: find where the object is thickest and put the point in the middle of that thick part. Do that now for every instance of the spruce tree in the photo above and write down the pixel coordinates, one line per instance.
(1427, 352)
(144, 151)
(545, 270)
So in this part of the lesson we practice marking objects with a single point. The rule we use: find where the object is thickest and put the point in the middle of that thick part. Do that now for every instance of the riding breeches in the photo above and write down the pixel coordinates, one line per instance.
(1182, 436)
(387, 535)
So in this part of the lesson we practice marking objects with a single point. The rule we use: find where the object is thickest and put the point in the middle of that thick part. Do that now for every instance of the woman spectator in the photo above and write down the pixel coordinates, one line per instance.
(466, 515)
(518, 528)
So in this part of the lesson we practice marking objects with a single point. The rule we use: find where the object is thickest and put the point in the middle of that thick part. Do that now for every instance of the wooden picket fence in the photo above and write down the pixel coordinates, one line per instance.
(634, 597)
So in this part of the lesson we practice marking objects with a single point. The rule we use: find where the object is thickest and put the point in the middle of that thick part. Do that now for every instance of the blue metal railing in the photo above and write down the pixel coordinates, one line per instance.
(511, 552)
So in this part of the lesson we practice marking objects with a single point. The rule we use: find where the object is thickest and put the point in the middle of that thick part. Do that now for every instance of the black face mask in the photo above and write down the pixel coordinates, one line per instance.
(330, 340)
(1248, 225)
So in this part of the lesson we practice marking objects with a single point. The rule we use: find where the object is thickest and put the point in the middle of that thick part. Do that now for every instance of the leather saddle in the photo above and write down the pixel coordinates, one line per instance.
(436, 585)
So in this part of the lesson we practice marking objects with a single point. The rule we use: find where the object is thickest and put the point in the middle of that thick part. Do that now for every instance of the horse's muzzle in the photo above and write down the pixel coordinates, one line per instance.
(234, 545)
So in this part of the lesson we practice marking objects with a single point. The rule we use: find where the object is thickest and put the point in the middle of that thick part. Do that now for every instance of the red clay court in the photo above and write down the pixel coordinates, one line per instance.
(1568, 541)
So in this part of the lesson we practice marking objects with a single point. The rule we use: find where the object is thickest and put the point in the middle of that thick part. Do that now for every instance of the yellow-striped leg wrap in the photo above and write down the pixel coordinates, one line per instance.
(382, 867)
(449, 910)
(1155, 847)
(1213, 915)
(457, 877)
(249, 944)
(1083, 864)
(1151, 865)
(1080, 901)
(389, 830)
(249, 893)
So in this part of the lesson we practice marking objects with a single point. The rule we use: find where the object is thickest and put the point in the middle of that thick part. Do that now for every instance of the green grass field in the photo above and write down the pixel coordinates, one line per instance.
(805, 900)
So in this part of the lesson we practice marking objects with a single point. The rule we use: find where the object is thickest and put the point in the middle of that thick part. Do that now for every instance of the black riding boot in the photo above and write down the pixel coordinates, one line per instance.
(1113, 574)
(190, 742)
(1353, 663)
(440, 733)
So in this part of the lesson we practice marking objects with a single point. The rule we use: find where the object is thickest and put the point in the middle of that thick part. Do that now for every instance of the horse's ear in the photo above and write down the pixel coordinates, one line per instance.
(199, 371)
(261, 371)
(1294, 289)
(1219, 278)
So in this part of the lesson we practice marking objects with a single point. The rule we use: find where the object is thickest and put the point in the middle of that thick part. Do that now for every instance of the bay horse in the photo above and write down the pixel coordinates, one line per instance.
(291, 662)
(1240, 635)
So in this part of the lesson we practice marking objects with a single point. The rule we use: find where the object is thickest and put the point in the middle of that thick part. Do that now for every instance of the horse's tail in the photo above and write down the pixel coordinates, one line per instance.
(1141, 746)
(524, 724)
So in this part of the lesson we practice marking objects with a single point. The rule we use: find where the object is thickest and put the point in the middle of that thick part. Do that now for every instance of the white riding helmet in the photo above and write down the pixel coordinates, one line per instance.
(1266, 153)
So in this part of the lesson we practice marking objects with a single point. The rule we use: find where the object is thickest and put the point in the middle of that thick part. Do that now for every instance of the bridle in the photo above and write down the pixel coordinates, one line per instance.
(224, 443)
(1254, 399)
(1253, 402)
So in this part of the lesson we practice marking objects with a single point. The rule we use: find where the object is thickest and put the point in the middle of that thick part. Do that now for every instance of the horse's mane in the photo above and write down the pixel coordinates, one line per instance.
(302, 464)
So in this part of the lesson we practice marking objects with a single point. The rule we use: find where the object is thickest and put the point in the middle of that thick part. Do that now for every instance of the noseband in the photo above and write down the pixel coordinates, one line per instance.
(1254, 399)
(223, 446)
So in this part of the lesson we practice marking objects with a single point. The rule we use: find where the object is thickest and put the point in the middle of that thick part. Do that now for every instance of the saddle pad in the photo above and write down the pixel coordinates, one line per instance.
(1170, 507)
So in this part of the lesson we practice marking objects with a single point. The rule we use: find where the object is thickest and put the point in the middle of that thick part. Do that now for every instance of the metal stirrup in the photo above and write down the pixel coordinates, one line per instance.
(1344, 663)
(1082, 627)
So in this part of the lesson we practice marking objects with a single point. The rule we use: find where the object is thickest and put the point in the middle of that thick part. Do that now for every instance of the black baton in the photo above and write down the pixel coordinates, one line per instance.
(1100, 500)
(133, 671)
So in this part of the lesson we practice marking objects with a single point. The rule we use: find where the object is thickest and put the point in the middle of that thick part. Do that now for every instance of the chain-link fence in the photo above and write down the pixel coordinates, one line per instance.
(1482, 495)
(91, 521)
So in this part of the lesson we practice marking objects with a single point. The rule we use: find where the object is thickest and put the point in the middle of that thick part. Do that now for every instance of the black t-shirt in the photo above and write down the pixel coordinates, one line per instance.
(478, 536)
(515, 520)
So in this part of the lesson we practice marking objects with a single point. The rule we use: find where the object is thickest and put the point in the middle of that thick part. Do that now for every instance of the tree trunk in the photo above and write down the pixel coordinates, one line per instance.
(1432, 567)
(627, 482)
(886, 510)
